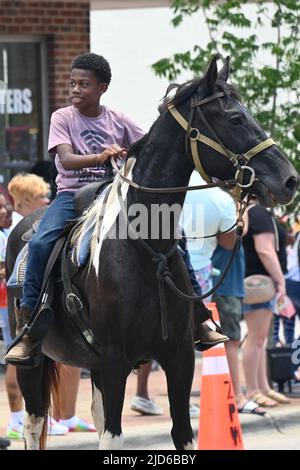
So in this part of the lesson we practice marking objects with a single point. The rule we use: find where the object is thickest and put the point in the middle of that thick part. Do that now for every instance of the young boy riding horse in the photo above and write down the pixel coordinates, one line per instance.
(83, 136)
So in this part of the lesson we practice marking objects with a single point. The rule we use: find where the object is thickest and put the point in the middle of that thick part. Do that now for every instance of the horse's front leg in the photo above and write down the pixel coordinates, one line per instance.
(35, 385)
(179, 370)
(32, 431)
(30, 383)
(109, 384)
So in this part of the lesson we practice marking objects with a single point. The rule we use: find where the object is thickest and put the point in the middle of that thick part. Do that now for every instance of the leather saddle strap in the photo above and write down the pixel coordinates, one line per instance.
(75, 307)
(52, 259)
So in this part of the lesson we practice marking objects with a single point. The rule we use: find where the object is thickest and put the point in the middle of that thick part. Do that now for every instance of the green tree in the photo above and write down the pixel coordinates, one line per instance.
(271, 91)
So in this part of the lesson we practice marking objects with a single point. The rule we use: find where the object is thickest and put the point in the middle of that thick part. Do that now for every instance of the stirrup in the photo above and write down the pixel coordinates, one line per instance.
(29, 363)
(199, 346)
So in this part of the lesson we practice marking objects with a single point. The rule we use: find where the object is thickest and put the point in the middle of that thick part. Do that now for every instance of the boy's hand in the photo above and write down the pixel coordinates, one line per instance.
(111, 151)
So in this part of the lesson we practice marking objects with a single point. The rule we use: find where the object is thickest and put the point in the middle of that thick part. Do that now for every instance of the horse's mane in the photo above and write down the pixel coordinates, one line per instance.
(136, 147)
(183, 92)
(188, 89)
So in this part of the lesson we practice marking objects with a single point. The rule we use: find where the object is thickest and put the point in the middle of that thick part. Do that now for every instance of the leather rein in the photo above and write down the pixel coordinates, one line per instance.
(240, 163)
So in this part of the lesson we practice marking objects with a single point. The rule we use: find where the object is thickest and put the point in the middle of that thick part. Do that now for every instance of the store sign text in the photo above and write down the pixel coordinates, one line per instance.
(15, 101)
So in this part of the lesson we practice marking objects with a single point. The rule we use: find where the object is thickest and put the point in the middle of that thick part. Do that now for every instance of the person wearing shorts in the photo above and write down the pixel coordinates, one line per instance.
(261, 244)
(229, 301)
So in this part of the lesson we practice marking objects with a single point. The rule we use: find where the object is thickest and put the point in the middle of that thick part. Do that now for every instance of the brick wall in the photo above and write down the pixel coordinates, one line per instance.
(66, 26)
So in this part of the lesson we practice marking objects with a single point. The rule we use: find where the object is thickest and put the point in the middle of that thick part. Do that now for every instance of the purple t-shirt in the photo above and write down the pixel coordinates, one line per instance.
(88, 135)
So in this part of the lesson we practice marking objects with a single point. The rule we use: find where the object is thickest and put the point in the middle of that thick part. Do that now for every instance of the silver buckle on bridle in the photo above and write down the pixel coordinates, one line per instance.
(194, 133)
(252, 177)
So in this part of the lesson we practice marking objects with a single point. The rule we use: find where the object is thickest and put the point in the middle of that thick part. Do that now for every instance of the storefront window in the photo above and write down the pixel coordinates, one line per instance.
(21, 107)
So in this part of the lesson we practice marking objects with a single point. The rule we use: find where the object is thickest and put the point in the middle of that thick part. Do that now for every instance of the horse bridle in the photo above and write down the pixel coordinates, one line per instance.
(239, 161)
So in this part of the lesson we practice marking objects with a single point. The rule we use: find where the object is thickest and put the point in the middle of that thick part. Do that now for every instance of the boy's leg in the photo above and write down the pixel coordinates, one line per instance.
(40, 247)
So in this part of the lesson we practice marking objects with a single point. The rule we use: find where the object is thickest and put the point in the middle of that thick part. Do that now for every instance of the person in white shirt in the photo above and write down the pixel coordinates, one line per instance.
(207, 212)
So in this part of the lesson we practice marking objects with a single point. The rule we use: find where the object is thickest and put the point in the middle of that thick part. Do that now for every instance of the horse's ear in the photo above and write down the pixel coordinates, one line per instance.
(225, 70)
(211, 75)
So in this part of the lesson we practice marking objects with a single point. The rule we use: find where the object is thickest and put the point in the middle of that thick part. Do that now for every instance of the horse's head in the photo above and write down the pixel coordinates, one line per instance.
(226, 137)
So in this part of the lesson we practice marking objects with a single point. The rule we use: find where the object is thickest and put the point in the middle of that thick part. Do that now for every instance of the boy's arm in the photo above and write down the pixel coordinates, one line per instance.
(71, 161)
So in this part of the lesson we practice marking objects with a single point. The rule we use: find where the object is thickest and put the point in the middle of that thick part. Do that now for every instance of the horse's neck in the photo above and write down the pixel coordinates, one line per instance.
(162, 163)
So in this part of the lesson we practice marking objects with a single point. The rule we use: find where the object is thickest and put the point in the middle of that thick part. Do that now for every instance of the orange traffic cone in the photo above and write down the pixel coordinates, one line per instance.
(219, 426)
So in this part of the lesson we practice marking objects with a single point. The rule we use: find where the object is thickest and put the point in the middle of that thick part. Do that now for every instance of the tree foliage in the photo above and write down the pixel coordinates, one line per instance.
(270, 90)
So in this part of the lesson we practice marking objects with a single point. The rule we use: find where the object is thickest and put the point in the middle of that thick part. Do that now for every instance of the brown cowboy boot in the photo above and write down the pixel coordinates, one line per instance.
(204, 337)
(208, 338)
(23, 351)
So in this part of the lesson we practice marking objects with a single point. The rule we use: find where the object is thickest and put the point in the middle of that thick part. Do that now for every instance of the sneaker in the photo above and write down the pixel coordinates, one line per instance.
(55, 428)
(145, 406)
(83, 426)
(14, 431)
(194, 411)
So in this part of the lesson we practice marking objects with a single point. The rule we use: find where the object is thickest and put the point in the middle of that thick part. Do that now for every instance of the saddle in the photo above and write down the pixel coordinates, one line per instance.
(60, 268)
(85, 196)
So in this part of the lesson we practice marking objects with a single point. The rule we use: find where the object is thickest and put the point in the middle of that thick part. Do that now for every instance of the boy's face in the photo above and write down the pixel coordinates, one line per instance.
(85, 89)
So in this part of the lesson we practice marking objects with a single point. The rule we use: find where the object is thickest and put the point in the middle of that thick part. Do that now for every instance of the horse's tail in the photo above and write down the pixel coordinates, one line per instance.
(50, 384)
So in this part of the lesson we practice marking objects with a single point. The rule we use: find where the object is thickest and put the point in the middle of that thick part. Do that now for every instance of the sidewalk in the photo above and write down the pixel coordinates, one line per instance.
(139, 430)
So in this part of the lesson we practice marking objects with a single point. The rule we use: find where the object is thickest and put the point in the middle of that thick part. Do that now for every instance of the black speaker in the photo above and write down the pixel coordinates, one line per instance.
(280, 366)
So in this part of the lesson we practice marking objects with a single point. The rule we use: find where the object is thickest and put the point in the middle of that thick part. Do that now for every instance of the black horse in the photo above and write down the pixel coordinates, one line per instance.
(123, 298)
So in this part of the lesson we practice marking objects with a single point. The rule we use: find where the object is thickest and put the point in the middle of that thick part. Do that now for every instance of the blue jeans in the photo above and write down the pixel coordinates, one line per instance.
(265, 305)
(40, 246)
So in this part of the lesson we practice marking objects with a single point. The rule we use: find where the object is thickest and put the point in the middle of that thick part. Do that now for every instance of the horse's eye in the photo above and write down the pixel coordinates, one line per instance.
(236, 120)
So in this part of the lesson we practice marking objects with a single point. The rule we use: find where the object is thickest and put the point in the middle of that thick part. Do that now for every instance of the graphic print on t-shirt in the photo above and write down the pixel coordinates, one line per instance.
(94, 140)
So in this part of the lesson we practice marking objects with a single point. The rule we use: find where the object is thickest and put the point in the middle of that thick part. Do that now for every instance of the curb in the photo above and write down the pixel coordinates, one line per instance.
(277, 421)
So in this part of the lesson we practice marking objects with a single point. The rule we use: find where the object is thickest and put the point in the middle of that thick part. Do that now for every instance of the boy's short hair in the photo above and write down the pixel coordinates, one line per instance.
(94, 62)
(27, 186)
